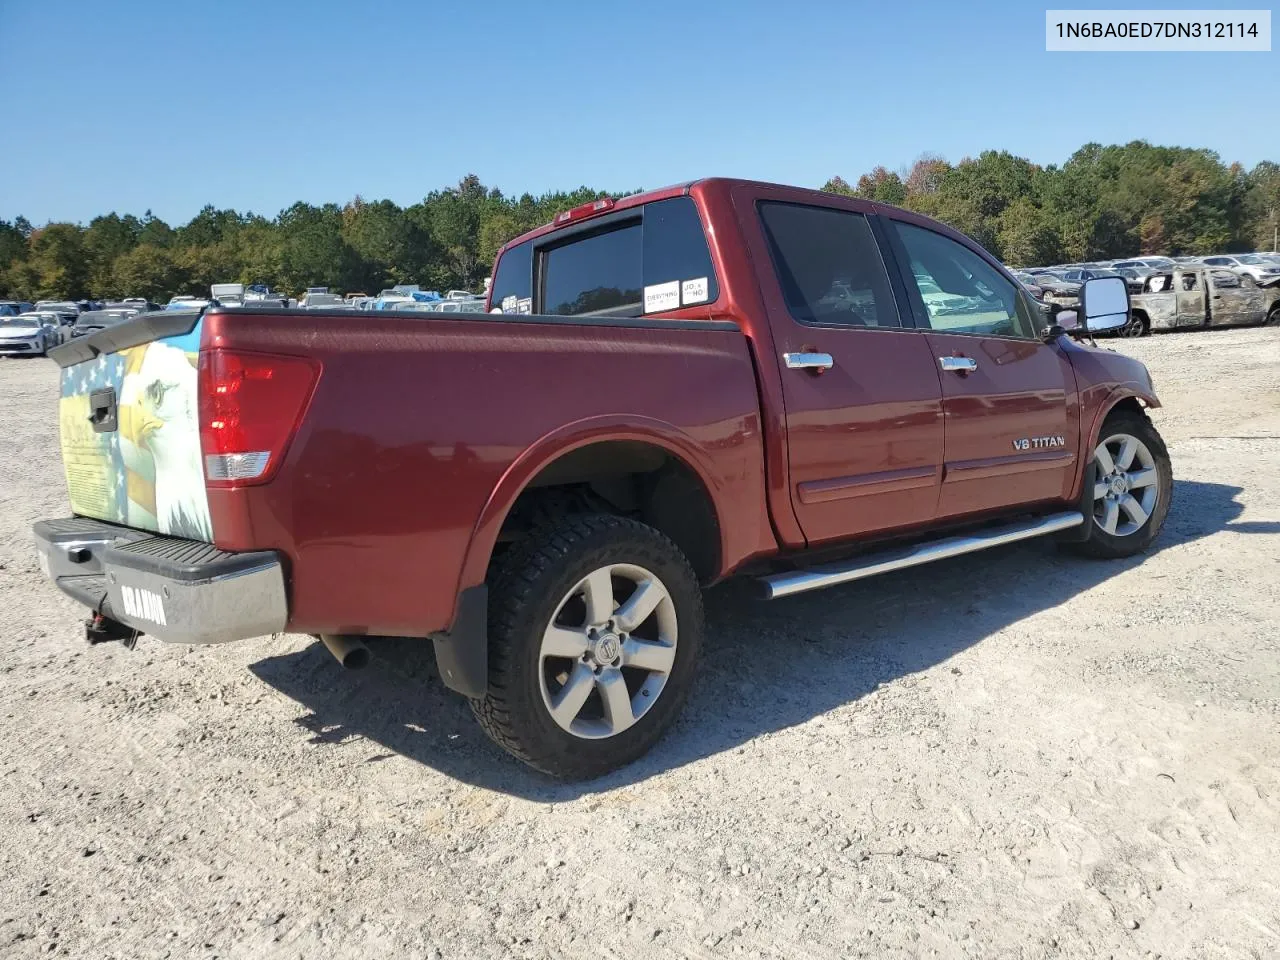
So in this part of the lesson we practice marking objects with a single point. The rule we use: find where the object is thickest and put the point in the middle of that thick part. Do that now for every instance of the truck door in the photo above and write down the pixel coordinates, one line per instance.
(1189, 288)
(1009, 398)
(861, 393)
(1234, 300)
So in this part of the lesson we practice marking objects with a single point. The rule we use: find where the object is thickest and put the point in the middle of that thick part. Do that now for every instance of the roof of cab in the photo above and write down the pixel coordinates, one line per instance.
(623, 203)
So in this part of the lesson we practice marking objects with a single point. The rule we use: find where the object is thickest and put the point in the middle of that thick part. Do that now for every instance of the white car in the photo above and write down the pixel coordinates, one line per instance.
(187, 303)
(30, 333)
(1262, 269)
(1150, 263)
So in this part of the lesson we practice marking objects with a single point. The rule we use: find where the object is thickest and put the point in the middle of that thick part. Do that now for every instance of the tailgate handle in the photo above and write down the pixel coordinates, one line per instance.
(102, 410)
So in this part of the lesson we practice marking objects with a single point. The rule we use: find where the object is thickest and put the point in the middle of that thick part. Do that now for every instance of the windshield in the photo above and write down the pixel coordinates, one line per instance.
(1250, 258)
(28, 322)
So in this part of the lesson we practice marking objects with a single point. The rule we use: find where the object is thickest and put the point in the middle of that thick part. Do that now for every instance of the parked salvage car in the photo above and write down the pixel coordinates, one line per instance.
(1059, 294)
(1030, 283)
(33, 334)
(1261, 268)
(95, 320)
(1197, 296)
(1151, 263)
(686, 411)
(67, 311)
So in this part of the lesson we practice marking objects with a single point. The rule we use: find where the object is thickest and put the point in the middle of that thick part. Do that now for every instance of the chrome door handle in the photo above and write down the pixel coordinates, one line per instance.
(808, 361)
(958, 364)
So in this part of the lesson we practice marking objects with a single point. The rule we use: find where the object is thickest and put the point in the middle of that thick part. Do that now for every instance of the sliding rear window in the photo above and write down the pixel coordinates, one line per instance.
(648, 261)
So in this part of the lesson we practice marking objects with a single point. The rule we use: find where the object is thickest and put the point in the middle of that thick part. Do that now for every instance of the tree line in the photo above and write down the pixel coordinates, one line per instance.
(1104, 202)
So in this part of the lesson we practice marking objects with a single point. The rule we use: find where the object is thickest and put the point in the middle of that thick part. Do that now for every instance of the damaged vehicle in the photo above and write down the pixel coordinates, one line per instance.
(1059, 294)
(1196, 296)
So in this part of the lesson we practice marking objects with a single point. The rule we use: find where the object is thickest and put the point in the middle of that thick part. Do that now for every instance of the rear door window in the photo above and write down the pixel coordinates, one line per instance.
(829, 266)
(652, 262)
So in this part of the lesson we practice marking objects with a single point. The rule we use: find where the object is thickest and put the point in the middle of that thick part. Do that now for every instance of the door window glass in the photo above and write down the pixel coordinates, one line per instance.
(961, 292)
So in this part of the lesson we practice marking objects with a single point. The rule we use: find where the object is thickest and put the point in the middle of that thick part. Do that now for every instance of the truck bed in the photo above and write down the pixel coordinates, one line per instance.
(390, 456)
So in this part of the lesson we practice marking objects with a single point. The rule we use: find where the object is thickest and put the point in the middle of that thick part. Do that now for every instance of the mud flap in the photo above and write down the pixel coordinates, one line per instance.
(1081, 533)
(462, 654)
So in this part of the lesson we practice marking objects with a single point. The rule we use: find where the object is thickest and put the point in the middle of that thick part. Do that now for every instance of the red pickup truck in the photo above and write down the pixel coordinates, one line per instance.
(720, 378)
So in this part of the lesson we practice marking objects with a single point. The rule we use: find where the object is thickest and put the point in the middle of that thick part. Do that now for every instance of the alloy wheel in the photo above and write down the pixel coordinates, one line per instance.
(608, 651)
(1126, 486)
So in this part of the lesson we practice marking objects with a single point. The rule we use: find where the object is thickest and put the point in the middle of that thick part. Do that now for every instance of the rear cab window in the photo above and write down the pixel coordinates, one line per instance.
(646, 260)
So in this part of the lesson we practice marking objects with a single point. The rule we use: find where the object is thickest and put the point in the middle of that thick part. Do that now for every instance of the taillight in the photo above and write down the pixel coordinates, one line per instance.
(250, 407)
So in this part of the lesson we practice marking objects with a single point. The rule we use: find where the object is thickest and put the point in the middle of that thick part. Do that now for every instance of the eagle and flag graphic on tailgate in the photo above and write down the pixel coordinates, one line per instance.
(147, 473)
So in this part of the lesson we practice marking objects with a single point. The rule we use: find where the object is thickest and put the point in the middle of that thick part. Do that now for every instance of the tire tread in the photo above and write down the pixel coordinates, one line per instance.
(516, 584)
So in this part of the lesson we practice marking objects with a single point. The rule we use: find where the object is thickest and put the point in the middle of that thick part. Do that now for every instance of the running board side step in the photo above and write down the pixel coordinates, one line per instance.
(828, 575)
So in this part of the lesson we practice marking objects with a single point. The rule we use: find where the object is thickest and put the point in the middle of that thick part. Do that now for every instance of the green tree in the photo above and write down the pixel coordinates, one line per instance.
(495, 230)
(312, 251)
(13, 251)
(1025, 237)
(155, 231)
(107, 238)
(839, 185)
(882, 186)
(148, 271)
(208, 227)
(57, 263)
(1261, 203)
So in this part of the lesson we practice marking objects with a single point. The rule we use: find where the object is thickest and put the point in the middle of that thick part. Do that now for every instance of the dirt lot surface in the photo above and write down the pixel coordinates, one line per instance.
(1021, 754)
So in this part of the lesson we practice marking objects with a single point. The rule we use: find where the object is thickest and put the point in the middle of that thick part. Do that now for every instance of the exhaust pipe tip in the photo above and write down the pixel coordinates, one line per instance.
(348, 650)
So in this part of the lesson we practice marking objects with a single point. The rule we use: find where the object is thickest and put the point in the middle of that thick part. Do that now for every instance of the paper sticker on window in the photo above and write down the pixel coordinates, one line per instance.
(524, 305)
(693, 291)
(509, 304)
(662, 296)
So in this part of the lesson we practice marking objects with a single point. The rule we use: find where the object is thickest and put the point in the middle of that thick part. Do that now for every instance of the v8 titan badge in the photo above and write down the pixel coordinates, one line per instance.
(1039, 443)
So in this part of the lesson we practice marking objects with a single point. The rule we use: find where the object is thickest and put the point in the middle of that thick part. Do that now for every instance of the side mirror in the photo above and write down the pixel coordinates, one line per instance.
(1104, 302)
(1067, 319)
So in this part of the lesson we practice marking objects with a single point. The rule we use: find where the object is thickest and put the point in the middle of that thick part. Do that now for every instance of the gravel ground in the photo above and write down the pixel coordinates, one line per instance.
(1022, 755)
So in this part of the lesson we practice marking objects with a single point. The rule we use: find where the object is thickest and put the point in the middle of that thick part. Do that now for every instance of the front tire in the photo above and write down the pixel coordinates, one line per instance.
(595, 625)
(1133, 487)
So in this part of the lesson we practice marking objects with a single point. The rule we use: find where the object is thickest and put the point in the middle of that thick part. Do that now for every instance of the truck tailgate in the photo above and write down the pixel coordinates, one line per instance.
(129, 427)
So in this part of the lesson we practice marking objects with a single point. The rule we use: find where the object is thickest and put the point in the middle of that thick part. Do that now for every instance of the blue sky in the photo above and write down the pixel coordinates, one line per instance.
(140, 104)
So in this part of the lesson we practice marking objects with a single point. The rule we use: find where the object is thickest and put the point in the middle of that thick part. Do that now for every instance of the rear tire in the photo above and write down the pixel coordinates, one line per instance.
(1133, 488)
(581, 679)
(1135, 326)
(1273, 316)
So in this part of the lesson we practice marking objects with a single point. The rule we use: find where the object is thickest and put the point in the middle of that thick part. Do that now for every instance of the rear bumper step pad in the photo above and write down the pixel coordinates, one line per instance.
(180, 591)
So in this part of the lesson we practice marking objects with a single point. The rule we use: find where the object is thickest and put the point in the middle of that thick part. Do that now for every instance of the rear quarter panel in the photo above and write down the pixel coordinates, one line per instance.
(422, 430)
